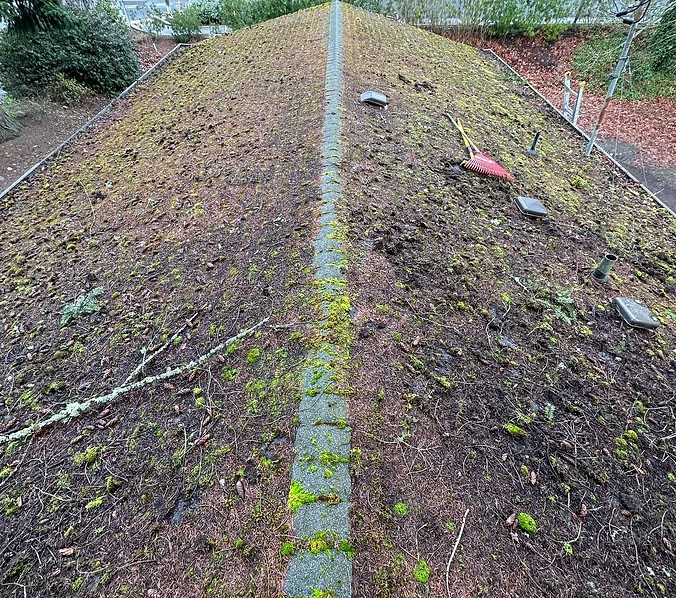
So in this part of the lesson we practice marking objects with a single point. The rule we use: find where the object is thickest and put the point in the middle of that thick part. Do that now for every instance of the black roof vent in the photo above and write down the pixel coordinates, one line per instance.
(635, 314)
(531, 207)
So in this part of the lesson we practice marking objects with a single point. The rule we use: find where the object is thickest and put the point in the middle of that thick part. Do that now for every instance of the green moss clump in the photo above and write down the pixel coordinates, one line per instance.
(401, 509)
(94, 504)
(90, 456)
(8, 506)
(631, 436)
(319, 543)
(298, 496)
(421, 573)
(347, 548)
(254, 355)
(5, 473)
(580, 183)
(112, 484)
(527, 523)
(228, 374)
(514, 430)
(287, 549)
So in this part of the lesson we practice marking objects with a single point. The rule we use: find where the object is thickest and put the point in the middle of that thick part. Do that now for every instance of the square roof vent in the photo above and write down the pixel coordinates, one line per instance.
(635, 314)
(374, 98)
(531, 207)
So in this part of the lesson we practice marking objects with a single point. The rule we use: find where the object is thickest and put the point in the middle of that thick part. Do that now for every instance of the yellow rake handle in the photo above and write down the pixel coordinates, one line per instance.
(466, 140)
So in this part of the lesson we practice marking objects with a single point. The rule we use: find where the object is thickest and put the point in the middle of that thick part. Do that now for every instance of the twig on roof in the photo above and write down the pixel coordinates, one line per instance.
(73, 410)
(455, 548)
(153, 356)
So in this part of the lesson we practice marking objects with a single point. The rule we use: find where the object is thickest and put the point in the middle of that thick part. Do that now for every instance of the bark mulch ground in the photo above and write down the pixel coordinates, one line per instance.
(490, 374)
(191, 206)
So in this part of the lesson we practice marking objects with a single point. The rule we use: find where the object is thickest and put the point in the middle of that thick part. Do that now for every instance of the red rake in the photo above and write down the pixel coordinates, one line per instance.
(478, 161)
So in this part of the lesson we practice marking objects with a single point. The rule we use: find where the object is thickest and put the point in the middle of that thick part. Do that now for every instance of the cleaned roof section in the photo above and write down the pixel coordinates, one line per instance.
(489, 372)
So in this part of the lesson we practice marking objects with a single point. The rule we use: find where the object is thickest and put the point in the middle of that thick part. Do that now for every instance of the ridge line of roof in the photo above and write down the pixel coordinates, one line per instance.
(321, 485)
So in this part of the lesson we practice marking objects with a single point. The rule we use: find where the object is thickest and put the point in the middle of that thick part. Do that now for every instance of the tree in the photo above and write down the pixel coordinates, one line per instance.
(31, 15)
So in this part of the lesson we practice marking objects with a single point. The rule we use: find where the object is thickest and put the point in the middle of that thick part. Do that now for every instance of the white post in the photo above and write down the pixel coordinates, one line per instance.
(566, 96)
(578, 103)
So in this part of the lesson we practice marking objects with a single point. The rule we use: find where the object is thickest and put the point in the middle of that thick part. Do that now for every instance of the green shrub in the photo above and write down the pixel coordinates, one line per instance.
(65, 90)
(185, 24)
(508, 17)
(209, 12)
(32, 15)
(9, 128)
(663, 42)
(244, 13)
(91, 48)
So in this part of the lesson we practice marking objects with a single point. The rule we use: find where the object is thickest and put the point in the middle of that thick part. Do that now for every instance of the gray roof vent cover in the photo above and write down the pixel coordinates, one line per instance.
(374, 97)
(635, 314)
(531, 207)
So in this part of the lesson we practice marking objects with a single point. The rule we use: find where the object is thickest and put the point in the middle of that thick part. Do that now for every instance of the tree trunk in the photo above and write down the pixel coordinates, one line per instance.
(8, 126)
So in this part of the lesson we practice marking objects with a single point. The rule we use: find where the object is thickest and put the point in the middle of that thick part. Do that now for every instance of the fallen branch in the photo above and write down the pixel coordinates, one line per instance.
(153, 356)
(73, 410)
(455, 548)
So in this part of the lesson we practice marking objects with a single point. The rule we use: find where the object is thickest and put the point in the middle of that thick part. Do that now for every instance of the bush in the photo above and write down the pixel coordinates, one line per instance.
(505, 17)
(244, 13)
(64, 90)
(185, 24)
(234, 13)
(595, 60)
(663, 42)
(92, 48)
(209, 12)
(31, 15)
(8, 128)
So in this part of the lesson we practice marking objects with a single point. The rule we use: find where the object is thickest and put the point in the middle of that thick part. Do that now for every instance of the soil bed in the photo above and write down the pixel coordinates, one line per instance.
(490, 373)
(192, 202)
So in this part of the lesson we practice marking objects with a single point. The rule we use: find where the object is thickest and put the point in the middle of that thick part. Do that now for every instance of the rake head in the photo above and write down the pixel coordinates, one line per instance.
(484, 164)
